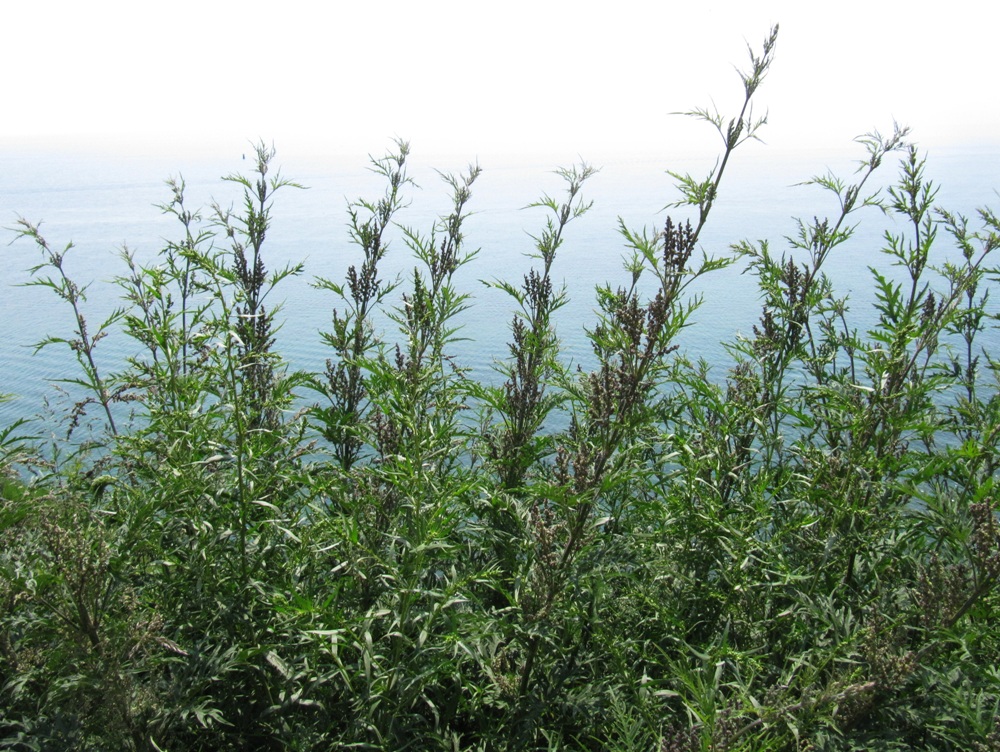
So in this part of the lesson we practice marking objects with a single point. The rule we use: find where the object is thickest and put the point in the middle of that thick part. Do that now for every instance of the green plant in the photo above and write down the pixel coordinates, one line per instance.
(799, 552)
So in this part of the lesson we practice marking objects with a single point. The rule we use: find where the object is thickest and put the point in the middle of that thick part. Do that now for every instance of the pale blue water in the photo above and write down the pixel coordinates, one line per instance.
(102, 202)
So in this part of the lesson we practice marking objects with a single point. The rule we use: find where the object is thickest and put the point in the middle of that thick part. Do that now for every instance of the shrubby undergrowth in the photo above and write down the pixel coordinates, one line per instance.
(800, 555)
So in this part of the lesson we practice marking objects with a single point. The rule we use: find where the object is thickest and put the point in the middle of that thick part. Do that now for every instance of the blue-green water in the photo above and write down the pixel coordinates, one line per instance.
(102, 203)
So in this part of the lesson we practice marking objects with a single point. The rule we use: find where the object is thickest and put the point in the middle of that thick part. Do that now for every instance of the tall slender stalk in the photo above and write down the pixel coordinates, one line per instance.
(83, 344)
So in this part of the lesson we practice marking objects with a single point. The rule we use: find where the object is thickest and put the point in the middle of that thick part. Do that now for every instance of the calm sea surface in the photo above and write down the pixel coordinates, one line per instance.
(102, 203)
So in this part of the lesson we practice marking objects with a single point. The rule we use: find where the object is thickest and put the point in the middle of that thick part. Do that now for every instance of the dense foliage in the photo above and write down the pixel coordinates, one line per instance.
(800, 554)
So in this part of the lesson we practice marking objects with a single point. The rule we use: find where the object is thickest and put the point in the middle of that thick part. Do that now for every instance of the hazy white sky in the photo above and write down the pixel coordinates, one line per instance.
(477, 77)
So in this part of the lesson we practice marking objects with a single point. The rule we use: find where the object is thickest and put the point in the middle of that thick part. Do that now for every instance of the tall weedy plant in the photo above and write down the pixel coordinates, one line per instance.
(100, 389)
(353, 339)
(800, 551)
(220, 488)
(172, 318)
(252, 325)
(520, 408)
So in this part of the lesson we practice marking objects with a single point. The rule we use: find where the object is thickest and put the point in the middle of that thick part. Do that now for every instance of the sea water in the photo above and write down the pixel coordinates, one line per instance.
(103, 202)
